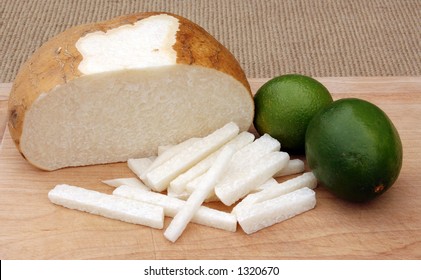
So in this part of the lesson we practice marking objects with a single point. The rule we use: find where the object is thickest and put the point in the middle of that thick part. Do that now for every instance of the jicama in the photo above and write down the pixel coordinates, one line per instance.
(305, 180)
(170, 152)
(294, 166)
(204, 215)
(238, 183)
(133, 182)
(139, 166)
(106, 205)
(159, 178)
(179, 184)
(183, 217)
(257, 216)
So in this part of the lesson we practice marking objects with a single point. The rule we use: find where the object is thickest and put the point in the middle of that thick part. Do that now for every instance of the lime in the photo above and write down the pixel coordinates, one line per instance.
(354, 149)
(285, 105)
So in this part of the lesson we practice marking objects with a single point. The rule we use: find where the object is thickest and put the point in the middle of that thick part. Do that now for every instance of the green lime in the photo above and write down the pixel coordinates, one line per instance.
(354, 149)
(285, 105)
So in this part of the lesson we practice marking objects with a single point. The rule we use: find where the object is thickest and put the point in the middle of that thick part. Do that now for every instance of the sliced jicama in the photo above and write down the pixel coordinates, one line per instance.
(305, 180)
(253, 152)
(179, 184)
(238, 183)
(133, 182)
(109, 206)
(139, 166)
(268, 184)
(163, 149)
(294, 166)
(186, 213)
(170, 152)
(183, 195)
(260, 215)
(159, 178)
(204, 215)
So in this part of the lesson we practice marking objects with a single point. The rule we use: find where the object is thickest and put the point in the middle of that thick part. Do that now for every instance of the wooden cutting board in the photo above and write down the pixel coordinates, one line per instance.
(387, 228)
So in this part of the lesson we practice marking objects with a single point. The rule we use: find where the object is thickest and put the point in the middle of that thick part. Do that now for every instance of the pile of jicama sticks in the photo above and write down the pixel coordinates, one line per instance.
(226, 166)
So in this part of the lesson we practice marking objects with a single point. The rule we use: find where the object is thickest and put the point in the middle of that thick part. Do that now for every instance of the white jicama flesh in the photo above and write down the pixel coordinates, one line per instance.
(305, 180)
(233, 186)
(133, 182)
(170, 152)
(268, 184)
(204, 215)
(108, 206)
(178, 185)
(254, 151)
(183, 217)
(162, 149)
(294, 166)
(159, 178)
(139, 166)
(109, 91)
(261, 215)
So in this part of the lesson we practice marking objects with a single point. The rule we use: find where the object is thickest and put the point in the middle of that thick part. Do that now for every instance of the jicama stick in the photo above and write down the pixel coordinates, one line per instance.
(204, 215)
(179, 184)
(109, 206)
(305, 180)
(170, 152)
(253, 152)
(133, 182)
(162, 149)
(271, 182)
(294, 166)
(238, 184)
(139, 166)
(159, 178)
(183, 217)
(257, 216)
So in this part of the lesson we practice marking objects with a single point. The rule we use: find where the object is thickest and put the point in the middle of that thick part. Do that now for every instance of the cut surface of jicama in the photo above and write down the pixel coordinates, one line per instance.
(159, 178)
(237, 183)
(271, 182)
(133, 182)
(252, 152)
(294, 166)
(305, 180)
(257, 216)
(139, 166)
(204, 215)
(170, 152)
(106, 205)
(179, 184)
(193, 203)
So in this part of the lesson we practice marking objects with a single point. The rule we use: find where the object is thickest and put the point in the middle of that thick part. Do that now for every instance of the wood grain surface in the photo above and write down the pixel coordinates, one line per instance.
(388, 228)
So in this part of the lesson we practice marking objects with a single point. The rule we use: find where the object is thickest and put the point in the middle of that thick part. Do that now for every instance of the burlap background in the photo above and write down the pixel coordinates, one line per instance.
(318, 38)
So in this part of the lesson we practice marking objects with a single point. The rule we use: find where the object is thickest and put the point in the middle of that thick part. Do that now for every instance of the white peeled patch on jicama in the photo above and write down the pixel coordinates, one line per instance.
(139, 166)
(133, 182)
(204, 215)
(233, 186)
(179, 184)
(305, 180)
(170, 152)
(294, 166)
(183, 217)
(257, 216)
(104, 51)
(159, 178)
(108, 206)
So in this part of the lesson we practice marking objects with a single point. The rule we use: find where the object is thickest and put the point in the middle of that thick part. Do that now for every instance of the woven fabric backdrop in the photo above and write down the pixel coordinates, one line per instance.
(268, 37)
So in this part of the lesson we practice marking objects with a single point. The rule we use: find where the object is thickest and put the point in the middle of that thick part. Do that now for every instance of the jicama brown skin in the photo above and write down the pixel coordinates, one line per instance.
(114, 90)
